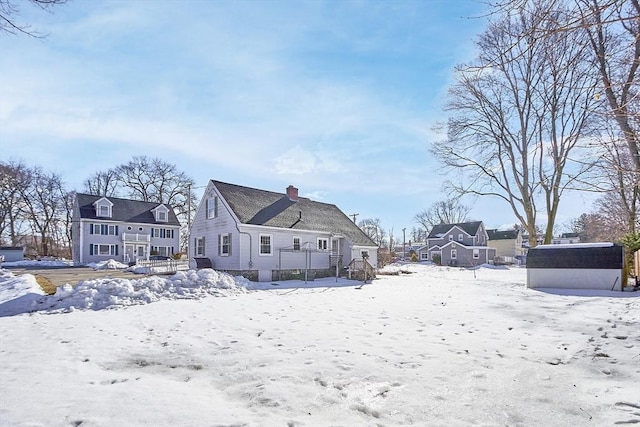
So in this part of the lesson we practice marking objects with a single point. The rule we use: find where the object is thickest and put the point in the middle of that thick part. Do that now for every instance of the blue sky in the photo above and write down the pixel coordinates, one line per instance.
(338, 98)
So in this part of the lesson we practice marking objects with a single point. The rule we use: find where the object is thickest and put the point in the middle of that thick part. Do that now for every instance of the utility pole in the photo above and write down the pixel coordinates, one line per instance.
(354, 216)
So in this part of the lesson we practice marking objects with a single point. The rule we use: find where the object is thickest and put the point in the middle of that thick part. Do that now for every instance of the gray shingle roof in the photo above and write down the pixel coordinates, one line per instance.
(502, 234)
(124, 210)
(261, 207)
(470, 228)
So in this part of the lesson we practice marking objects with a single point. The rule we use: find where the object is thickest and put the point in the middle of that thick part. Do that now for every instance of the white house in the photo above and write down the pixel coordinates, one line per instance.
(265, 235)
(125, 230)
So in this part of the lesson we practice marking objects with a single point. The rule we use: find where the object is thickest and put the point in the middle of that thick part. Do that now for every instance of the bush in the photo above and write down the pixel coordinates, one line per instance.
(414, 257)
(437, 259)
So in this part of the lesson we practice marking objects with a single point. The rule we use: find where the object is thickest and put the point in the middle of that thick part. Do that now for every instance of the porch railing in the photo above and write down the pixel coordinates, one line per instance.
(136, 237)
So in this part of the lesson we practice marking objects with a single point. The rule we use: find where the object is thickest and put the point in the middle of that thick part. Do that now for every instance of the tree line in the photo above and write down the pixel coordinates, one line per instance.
(36, 206)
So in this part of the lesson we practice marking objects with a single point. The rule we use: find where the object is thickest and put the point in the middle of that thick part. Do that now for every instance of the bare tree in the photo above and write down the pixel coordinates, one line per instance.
(449, 211)
(518, 115)
(44, 200)
(374, 230)
(103, 183)
(13, 183)
(9, 12)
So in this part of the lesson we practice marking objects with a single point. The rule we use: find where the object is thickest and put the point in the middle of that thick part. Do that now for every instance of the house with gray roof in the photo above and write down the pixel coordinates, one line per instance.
(266, 235)
(125, 230)
(508, 243)
(462, 244)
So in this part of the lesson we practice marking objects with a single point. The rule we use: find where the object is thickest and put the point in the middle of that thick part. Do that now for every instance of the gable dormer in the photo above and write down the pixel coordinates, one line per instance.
(104, 208)
(161, 213)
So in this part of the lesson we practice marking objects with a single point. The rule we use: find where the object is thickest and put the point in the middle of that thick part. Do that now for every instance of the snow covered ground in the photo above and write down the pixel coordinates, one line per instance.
(437, 347)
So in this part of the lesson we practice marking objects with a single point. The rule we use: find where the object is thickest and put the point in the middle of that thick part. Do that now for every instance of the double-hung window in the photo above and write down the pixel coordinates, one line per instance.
(266, 244)
(198, 246)
(224, 244)
(323, 244)
(212, 207)
(296, 243)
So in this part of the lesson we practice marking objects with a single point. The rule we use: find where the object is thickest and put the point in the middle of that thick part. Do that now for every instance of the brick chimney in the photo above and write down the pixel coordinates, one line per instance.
(292, 193)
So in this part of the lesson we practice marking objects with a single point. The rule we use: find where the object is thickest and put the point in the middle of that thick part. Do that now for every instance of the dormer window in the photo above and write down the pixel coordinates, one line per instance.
(161, 213)
(103, 208)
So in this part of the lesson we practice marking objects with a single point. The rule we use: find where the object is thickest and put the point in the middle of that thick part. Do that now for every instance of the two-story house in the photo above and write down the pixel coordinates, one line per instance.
(463, 244)
(124, 230)
(265, 235)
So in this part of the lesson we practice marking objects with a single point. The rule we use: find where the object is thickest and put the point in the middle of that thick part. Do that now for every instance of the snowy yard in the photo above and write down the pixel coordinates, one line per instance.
(438, 347)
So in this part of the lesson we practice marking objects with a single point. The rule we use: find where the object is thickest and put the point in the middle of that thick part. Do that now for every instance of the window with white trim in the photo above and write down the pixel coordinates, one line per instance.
(224, 244)
(104, 250)
(265, 244)
(104, 210)
(162, 250)
(198, 246)
(450, 237)
(323, 244)
(162, 216)
(460, 237)
(212, 207)
(454, 253)
(476, 253)
(364, 254)
(424, 256)
(103, 229)
(296, 243)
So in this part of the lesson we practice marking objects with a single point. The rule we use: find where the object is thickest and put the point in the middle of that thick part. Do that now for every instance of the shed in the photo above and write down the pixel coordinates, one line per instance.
(11, 253)
(576, 266)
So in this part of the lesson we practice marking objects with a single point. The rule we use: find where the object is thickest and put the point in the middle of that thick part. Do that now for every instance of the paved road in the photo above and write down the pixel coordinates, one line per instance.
(72, 275)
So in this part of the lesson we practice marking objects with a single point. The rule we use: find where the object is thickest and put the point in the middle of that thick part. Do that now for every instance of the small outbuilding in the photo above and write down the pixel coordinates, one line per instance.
(577, 266)
(11, 253)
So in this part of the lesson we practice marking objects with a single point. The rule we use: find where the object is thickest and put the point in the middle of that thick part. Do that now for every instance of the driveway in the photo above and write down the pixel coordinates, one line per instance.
(72, 275)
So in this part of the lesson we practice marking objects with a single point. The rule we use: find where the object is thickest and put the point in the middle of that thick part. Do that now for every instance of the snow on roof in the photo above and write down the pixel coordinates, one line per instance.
(576, 245)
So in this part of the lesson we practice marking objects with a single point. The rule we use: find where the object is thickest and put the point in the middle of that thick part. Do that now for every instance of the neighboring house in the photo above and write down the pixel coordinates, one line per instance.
(264, 235)
(566, 239)
(464, 244)
(508, 243)
(121, 229)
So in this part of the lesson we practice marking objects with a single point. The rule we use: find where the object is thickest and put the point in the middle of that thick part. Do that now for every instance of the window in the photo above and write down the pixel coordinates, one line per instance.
(129, 227)
(224, 244)
(460, 237)
(162, 216)
(450, 237)
(162, 250)
(476, 253)
(212, 208)
(424, 256)
(323, 244)
(103, 250)
(296, 243)
(140, 228)
(454, 253)
(198, 247)
(104, 229)
(364, 254)
(162, 233)
(265, 244)
(104, 211)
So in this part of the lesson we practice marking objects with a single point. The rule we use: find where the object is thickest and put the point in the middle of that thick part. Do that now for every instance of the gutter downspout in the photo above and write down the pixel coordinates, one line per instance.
(250, 244)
